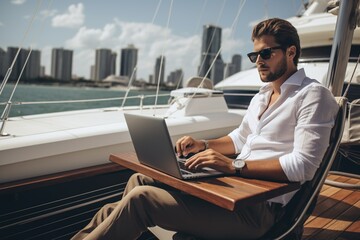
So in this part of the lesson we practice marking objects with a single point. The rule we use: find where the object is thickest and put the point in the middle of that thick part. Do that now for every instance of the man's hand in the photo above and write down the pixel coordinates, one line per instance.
(212, 159)
(186, 145)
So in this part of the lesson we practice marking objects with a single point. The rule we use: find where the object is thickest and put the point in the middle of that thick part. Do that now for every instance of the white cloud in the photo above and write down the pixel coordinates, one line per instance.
(85, 38)
(73, 18)
(18, 2)
(1, 24)
(82, 60)
(151, 40)
(229, 45)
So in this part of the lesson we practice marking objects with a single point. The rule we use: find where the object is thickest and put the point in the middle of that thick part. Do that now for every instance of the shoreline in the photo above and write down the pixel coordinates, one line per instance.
(91, 84)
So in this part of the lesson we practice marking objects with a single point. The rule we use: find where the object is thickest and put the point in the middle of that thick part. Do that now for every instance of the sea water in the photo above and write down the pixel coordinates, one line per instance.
(26, 94)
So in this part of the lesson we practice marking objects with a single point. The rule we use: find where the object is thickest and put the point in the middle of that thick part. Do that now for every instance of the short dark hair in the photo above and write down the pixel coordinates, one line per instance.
(284, 32)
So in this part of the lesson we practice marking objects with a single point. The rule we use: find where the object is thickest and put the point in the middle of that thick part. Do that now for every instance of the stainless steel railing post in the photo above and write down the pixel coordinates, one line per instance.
(4, 118)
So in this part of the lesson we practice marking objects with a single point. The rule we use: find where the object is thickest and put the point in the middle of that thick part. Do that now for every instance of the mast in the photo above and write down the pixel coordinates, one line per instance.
(347, 20)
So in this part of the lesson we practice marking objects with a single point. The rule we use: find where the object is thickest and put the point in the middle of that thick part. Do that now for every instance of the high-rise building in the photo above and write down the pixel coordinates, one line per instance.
(217, 71)
(113, 63)
(233, 67)
(92, 72)
(210, 46)
(175, 78)
(105, 64)
(128, 61)
(10, 56)
(3, 62)
(61, 64)
(159, 70)
(42, 71)
(32, 69)
(229, 70)
(236, 60)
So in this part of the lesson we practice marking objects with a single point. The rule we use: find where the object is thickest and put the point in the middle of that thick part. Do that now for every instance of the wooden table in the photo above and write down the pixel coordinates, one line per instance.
(228, 192)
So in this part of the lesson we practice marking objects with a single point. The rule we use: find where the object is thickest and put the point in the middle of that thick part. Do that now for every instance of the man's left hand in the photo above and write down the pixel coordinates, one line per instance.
(212, 159)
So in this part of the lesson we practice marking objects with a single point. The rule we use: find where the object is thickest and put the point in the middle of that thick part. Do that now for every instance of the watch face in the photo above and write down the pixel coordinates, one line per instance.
(239, 163)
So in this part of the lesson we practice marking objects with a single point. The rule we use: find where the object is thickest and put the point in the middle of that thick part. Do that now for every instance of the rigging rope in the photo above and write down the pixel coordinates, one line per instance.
(7, 108)
(9, 71)
(211, 40)
(132, 78)
(196, 29)
(162, 57)
(28, 56)
(352, 76)
(232, 33)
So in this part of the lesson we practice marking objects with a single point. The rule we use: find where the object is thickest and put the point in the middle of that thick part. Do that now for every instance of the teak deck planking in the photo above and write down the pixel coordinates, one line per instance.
(337, 213)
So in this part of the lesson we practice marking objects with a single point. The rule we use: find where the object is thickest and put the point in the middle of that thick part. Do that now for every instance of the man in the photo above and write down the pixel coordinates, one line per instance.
(282, 137)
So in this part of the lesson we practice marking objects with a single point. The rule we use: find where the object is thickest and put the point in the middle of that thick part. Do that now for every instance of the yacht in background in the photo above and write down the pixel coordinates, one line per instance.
(316, 30)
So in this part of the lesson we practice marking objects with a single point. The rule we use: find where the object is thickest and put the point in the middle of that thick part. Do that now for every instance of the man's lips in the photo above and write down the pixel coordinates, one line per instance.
(263, 69)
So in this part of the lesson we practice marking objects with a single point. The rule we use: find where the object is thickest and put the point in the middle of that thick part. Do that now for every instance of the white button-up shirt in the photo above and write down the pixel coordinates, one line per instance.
(295, 129)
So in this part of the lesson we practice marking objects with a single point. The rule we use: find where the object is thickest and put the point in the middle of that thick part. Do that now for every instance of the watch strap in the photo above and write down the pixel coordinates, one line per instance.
(206, 144)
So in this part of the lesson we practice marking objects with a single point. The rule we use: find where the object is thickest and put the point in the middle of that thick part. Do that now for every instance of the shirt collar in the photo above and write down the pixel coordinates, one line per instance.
(294, 80)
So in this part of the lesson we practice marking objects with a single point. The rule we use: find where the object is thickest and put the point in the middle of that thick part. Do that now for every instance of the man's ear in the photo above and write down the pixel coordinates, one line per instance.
(291, 51)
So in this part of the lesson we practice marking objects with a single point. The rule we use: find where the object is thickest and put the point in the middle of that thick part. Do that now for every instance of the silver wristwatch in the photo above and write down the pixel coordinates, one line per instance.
(238, 164)
(206, 143)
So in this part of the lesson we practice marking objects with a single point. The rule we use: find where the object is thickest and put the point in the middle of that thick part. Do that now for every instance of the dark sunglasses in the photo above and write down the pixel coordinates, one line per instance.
(264, 54)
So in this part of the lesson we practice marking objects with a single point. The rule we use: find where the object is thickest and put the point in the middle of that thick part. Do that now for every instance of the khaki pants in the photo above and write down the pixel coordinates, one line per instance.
(147, 203)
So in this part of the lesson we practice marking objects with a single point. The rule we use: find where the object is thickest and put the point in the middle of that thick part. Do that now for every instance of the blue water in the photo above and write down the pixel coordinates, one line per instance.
(29, 93)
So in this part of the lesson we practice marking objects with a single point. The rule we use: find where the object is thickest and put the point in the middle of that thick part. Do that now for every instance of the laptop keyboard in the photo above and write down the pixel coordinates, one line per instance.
(186, 170)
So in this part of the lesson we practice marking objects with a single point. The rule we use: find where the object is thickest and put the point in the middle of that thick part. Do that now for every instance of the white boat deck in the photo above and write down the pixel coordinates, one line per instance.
(50, 143)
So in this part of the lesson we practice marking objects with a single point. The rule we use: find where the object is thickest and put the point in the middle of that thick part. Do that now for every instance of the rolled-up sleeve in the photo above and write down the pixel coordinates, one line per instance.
(316, 115)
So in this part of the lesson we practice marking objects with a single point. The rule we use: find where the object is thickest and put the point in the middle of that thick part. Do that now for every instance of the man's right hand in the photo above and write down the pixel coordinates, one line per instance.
(186, 145)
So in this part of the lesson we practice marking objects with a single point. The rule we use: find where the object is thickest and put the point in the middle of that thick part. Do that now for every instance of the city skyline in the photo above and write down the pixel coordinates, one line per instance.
(105, 63)
(84, 27)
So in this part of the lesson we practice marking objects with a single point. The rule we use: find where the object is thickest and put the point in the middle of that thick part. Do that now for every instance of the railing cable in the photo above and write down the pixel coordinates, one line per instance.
(83, 100)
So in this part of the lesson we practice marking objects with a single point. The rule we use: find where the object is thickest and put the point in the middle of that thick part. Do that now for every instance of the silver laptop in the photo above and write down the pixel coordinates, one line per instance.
(154, 148)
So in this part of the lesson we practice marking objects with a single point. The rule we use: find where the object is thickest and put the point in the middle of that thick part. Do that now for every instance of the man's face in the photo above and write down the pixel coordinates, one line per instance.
(275, 66)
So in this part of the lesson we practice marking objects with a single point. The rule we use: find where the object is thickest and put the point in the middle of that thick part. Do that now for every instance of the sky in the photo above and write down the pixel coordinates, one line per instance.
(169, 27)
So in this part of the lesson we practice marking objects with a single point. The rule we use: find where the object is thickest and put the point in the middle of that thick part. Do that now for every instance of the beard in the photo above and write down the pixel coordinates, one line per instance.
(279, 72)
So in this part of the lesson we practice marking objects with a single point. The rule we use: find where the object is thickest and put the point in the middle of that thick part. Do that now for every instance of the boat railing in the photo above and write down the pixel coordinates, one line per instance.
(6, 113)
(140, 97)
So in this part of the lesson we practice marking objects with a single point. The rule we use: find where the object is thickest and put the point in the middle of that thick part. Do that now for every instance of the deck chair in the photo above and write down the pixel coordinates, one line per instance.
(349, 153)
(300, 207)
